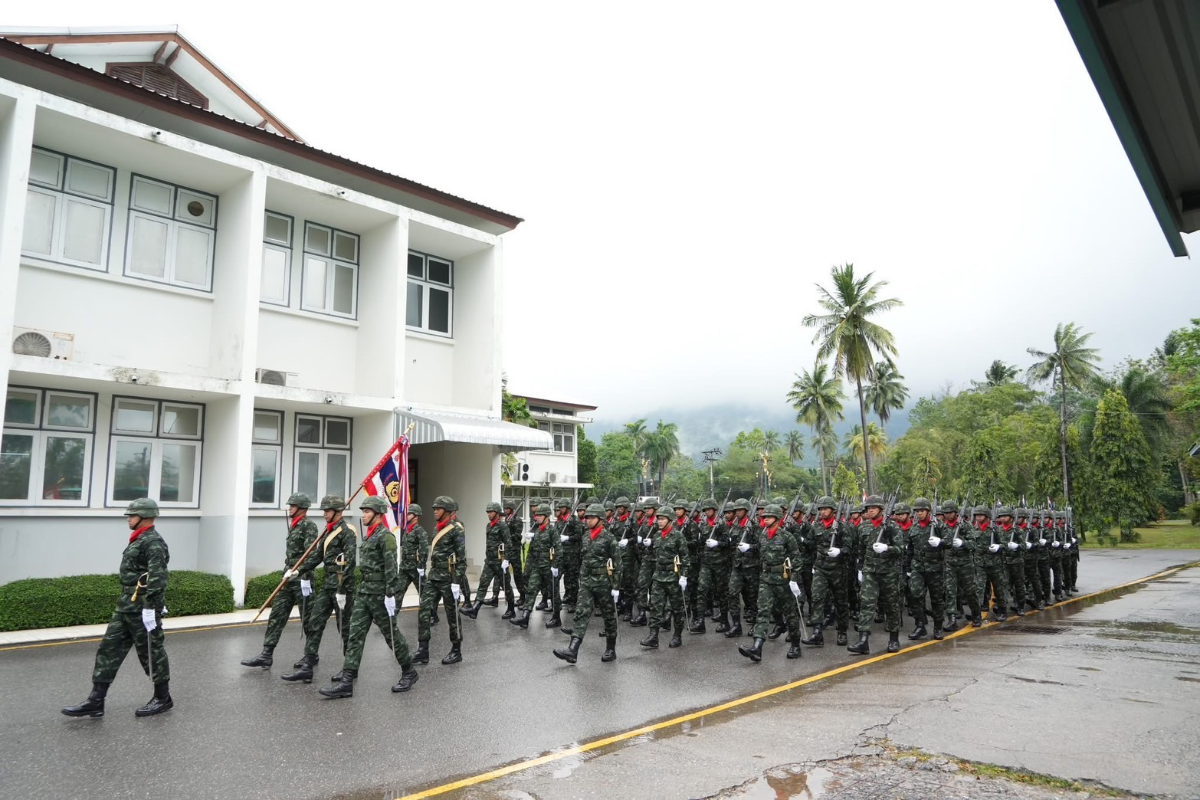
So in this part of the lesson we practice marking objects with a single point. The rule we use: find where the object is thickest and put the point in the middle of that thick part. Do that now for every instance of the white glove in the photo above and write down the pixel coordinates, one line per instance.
(390, 604)
(341, 601)
(647, 541)
(623, 543)
(554, 571)
(1073, 540)
(744, 547)
(456, 590)
(1029, 545)
(305, 587)
(957, 542)
(1042, 542)
(683, 582)
(860, 576)
(1055, 544)
(527, 537)
(879, 547)
(834, 552)
(420, 572)
(563, 537)
(504, 566)
(934, 541)
(993, 548)
(149, 621)
(165, 611)
(1013, 545)
(795, 587)
(616, 593)
(711, 543)
(288, 574)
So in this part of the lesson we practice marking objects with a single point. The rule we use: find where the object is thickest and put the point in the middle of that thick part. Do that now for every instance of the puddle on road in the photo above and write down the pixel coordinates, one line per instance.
(814, 783)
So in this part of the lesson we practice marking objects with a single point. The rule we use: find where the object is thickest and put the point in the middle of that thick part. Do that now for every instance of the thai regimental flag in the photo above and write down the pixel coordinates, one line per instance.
(389, 480)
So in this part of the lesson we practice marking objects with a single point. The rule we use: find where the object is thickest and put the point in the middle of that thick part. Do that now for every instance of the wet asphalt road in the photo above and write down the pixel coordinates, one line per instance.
(237, 732)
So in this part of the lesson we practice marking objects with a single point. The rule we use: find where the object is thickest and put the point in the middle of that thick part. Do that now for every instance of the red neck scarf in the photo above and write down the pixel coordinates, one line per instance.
(494, 522)
(1006, 528)
(924, 524)
(904, 526)
(409, 527)
(712, 521)
(878, 521)
(623, 518)
(828, 523)
(445, 521)
(596, 531)
(331, 525)
(741, 523)
(372, 529)
(983, 526)
(1023, 525)
(296, 520)
(772, 531)
(133, 536)
(666, 530)
(542, 527)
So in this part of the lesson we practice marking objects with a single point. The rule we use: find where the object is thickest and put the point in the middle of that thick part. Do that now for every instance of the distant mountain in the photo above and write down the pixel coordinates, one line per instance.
(716, 426)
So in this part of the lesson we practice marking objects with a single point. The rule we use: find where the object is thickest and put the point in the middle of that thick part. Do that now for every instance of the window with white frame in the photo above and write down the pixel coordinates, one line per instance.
(266, 455)
(172, 234)
(276, 282)
(330, 281)
(430, 306)
(564, 437)
(322, 463)
(68, 210)
(155, 452)
(46, 448)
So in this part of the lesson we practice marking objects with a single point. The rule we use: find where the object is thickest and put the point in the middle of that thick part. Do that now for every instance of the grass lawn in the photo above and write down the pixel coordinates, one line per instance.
(1173, 534)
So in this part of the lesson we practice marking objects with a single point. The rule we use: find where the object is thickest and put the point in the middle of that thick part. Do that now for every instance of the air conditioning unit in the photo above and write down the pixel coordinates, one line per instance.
(43, 344)
(273, 377)
(551, 477)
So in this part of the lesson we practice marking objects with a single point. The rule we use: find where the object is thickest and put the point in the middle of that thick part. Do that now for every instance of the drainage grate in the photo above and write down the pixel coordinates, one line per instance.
(1045, 630)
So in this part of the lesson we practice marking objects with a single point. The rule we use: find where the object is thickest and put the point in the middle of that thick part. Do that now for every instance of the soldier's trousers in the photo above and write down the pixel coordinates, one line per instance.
(570, 577)
(1015, 575)
(714, 585)
(281, 609)
(806, 585)
(666, 601)
(960, 587)
(321, 605)
(829, 586)
(1070, 568)
(493, 574)
(693, 590)
(645, 578)
(540, 579)
(1042, 587)
(629, 572)
(594, 593)
(126, 631)
(993, 585)
(852, 586)
(774, 600)
(880, 590)
(743, 591)
(1056, 569)
(504, 581)
(369, 608)
(516, 563)
(931, 582)
(434, 592)
(408, 577)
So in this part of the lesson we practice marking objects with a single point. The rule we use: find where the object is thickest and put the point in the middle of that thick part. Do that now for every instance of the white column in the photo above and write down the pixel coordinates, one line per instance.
(381, 301)
(16, 142)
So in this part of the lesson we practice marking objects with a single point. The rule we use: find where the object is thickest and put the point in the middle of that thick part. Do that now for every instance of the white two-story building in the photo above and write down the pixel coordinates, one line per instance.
(552, 473)
(206, 310)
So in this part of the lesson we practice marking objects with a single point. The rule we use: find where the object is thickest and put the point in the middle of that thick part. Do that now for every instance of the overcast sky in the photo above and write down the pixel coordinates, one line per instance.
(688, 171)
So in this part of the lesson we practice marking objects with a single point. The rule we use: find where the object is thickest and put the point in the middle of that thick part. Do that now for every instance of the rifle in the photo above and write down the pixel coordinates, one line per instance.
(889, 505)
(750, 517)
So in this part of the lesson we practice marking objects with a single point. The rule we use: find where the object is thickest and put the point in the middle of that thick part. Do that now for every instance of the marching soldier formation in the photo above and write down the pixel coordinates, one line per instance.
(750, 567)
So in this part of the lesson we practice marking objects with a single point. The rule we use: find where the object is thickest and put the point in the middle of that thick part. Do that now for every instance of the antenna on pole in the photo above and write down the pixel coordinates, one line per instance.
(710, 456)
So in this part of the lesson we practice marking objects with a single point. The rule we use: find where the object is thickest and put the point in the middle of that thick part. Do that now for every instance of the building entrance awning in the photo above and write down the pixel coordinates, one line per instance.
(433, 427)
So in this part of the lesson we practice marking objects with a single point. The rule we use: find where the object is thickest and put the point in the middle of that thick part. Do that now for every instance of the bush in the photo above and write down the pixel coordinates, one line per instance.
(1193, 512)
(90, 599)
(259, 588)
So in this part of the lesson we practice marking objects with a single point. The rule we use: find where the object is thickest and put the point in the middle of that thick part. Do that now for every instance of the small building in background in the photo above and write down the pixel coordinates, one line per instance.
(548, 475)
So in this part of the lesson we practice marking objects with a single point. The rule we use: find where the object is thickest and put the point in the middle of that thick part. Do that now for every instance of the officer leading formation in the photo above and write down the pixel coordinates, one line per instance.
(753, 568)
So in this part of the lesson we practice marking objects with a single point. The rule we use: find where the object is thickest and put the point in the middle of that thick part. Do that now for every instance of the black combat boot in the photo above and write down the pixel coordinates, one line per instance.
(893, 642)
(938, 633)
(508, 612)
(1041, 605)
(494, 602)
(569, 653)
(735, 630)
(651, 639)
(159, 703)
(342, 688)
(841, 638)
(555, 621)
(93, 706)
(677, 638)
(863, 646)
(666, 624)
(697, 626)
(722, 623)
(610, 649)
(919, 632)
(1018, 611)
(407, 679)
(568, 626)
(422, 654)
(754, 652)
(304, 672)
(541, 606)
(794, 651)
(639, 620)
(455, 654)
(777, 630)
(341, 674)
(1000, 617)
(977, 621)
(473, 611)
(263, 659)
(878, 617)
(817, 639)
(951, 624)
(626, 610)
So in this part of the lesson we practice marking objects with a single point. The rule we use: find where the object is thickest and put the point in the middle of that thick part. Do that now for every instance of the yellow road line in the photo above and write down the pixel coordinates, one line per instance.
(521, 766)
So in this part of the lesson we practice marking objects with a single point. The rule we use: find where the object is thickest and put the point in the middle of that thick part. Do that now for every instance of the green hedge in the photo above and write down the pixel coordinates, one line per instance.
(258, 589)
(90, 599)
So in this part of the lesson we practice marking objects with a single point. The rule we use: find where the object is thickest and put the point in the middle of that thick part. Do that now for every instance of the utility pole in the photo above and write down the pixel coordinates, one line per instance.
(711, 456)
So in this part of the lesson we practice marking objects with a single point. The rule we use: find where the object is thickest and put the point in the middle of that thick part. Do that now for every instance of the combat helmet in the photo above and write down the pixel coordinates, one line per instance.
(445, 502)
(494, 507)
(922, 503)
(415, 509)
(594, 510)
(874, 500)
(375, 504)
(299, 500)
(332, 502)
(826, 502)
(143, 507)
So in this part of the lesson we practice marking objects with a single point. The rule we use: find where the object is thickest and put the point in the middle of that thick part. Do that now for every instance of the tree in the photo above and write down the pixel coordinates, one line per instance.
(795, 446)
(1069, 364)
(617, 466)
(876, 439)
(514, 410)
(1123, 473)
(847, 334)
(845, 484)
(637, 433)
(771, 440)
(817, 397)
(886, 392)
(999, 373)
(586, 458)
(660, 446)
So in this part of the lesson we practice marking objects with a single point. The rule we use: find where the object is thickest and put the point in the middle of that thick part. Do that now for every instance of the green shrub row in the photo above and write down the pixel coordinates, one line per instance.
(258, 589)
(90, 599)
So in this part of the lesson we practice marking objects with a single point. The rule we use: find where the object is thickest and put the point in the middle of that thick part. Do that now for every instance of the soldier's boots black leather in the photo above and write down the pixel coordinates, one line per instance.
(952, 625)
(610, 650)
(651, 639)
(841, 638)
(342, 688)
(493, 602)
(794, 651)
(159, 703)
(735, 630)
(93, 706)
(863, 646)
(893, 642)
(341, 675)
(569, 653)
(264, 659)
(697, 626)
(816, 639)
(777, 631)
(677, 637)
(508, 612)
(722, 623)
(472, 611)
(977, 622)
(918, 633)
(455, 654)
(554, 622)
(541, 606)
(1001, 617)
(304, 672)
(938, 633)
(521, 620)
(422, 654)
(639, 620)
(406, 680)
(753, 652)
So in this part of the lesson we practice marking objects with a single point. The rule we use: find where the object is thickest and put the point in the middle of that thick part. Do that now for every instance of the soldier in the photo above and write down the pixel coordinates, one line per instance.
(1013, 565)
(714, 560)
(646, 561)
(802, 530)
(297, 588)
(833, 548)
(495, 564)
(541, 574)
(447, 571)
(991, 540)
(138, 615)
(744, 574)
(375, 601)
(778, 591)
(599, 584)
(1041, 552)
(669, 557)
(623, 529)
(960, 564)
(1058, 539)
(568, 529)
(928, 570)
(516, 528)
(414, 554)
(692, 537)
(854, 563)
(1070, 556)
(338, 551)
(882, 549)
(1021, 579)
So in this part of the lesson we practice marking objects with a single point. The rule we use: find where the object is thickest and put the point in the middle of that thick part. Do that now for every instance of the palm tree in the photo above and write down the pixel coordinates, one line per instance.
(1070, 363)
(795, 446)
(886, 393)
(876, 438)
(999, 373)
(847, 334)
(1146, 393)
(771, 440)
(636, 430)
(661, 445)
(817, 397)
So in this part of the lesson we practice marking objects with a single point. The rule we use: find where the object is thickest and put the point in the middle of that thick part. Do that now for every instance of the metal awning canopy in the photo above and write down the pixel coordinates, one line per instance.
(430, 427)
(1144, 58)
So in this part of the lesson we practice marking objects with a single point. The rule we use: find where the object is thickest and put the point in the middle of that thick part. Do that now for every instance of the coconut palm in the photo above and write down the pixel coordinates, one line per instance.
(886, 392)
(1069, 364)
(817, 397)
(771, 440)
(1146, 393)
(848, 335)
(660, 446)
(795, 446)
(999, 373)
(876, 438)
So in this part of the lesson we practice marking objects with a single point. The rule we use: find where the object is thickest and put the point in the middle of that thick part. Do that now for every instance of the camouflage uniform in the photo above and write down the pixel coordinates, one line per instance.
(515, 550)
(645, 559)
(447, 567)
(624, 531)
(568, 550)
(414, 556)
(494, 556)
(539, 566)
(991, 542)
(928, 571)
(833, 546)
(1070, 557)
(1057, 539)
(745, 571)
(715, 560)
(671, 563)
(690, 531)
(1041, 552)
(960, 566)
(1014, 565)
(882, 573)
(778, 591)
(338, 551)
(600, 565)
